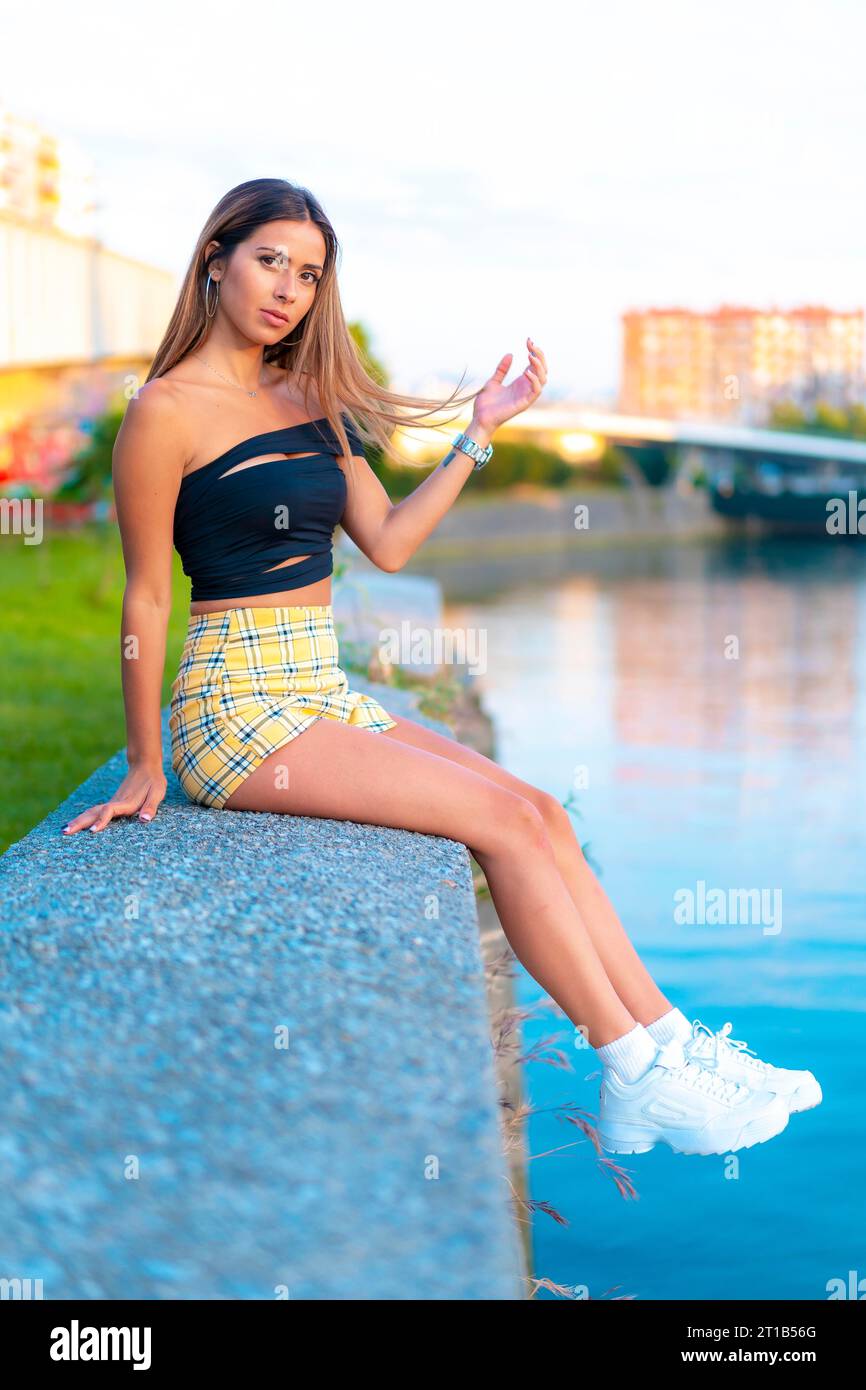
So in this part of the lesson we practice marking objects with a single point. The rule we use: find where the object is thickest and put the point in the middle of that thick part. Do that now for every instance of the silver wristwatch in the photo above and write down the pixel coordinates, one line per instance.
(475, 451)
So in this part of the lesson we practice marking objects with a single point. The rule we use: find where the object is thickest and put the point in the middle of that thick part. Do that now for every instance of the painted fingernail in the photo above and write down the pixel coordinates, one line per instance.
(146, 815)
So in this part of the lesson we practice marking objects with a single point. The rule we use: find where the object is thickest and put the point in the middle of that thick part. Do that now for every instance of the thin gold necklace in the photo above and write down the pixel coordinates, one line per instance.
(225, 378)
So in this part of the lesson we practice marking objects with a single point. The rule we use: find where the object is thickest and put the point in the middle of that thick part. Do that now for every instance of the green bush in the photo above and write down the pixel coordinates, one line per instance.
(838, 421)
(89, 476)
(512, 464)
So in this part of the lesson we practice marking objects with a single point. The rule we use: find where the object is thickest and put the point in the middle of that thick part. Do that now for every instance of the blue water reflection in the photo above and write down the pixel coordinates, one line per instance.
(715, 698)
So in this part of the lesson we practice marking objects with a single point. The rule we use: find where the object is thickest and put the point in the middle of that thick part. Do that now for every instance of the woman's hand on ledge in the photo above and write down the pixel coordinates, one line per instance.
(141, 791)
(496, 403)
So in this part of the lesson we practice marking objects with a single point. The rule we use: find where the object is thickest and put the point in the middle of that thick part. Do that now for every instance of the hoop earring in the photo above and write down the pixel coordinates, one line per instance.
(210, 312)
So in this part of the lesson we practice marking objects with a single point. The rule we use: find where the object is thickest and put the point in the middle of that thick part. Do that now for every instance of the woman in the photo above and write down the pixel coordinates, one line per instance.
(241, 450)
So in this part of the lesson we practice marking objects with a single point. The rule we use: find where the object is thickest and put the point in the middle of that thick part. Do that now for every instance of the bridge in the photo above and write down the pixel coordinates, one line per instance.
(780, 476)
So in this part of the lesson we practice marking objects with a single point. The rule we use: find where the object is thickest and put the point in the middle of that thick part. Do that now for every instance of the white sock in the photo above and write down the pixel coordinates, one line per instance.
(631, 1055)
(673, 1024)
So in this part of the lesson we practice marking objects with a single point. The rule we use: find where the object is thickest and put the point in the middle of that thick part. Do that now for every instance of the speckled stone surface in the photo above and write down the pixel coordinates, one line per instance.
(243, 1058)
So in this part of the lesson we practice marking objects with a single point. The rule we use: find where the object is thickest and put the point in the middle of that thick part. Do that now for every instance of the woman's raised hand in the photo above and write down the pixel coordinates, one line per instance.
(496, 403)
(141, 790)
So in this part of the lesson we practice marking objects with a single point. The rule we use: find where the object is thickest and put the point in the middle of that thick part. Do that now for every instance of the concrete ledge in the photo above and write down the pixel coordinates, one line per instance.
(158, 1140)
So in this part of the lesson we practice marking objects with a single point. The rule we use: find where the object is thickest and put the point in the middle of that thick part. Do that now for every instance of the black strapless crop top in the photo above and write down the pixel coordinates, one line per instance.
(230, 531)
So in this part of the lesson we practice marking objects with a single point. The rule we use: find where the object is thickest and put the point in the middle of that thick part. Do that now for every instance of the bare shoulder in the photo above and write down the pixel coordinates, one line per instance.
(156, 427)
(157, 403)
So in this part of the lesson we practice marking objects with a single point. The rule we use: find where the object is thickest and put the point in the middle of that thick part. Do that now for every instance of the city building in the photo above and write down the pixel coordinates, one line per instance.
(735, 362)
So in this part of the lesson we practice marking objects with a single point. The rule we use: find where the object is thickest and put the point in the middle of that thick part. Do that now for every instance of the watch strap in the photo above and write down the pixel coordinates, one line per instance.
(466, 445)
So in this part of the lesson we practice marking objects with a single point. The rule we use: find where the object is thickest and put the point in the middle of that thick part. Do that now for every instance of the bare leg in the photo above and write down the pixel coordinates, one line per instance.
(630, 977)
(335, 770)
(623, 966)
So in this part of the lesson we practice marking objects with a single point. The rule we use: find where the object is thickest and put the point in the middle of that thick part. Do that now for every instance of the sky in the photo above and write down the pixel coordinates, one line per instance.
(493, 171)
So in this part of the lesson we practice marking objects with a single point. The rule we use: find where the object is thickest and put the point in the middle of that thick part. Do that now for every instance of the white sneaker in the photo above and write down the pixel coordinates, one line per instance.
(681, 1103)
(727, 1057)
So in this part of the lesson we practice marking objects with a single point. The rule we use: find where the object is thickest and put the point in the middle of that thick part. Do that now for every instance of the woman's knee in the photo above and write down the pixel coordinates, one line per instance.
(554, 814)
(520, 823)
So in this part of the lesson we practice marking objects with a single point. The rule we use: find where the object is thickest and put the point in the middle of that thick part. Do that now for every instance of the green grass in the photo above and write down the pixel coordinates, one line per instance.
(61, 702)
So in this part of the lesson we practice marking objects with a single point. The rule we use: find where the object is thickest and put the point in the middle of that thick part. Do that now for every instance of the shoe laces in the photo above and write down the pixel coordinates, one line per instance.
(706, 1044)
(700, 1079)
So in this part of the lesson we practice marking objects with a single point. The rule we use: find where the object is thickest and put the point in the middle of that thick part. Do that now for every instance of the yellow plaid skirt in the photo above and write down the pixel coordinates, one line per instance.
(249, 681)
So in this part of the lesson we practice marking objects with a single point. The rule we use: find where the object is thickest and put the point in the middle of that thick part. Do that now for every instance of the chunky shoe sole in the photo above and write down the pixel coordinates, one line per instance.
(623, 1138)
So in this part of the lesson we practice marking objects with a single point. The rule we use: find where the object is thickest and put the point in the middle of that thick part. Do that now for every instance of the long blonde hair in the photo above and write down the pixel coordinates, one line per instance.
(323, 351)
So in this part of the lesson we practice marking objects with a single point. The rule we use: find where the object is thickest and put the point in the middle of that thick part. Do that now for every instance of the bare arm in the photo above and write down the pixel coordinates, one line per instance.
(390, 534)
(147, 465)
(149, 456)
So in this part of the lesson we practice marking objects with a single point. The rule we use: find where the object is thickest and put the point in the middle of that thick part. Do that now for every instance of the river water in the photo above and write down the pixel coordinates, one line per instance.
(705, 704)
